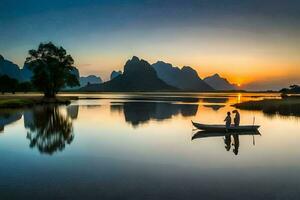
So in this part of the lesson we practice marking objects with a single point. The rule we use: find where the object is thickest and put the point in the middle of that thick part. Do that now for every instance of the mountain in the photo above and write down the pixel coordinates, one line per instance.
(10, 69)
(13, 71)
(114, 74)
(92, 79)
(138, 75)
(26, 73)
(219, 83)
(186, 78)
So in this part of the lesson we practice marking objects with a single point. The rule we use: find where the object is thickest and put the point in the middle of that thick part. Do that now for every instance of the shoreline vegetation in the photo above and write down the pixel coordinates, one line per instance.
(288, 106)
(16, 101)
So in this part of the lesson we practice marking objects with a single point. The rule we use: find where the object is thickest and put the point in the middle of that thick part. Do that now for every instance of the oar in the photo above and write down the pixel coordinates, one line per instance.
(253, 134)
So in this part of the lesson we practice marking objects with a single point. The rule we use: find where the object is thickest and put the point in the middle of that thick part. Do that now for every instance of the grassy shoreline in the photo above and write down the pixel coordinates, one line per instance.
(11, 101)
(285, 106)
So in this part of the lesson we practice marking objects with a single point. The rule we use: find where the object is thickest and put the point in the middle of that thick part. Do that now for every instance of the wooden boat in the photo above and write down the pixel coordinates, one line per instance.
(206, 134)
(222, 128)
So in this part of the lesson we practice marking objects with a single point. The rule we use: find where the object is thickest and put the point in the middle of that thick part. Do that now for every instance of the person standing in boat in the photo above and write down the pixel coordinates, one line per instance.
(237, 118)
(227, 120)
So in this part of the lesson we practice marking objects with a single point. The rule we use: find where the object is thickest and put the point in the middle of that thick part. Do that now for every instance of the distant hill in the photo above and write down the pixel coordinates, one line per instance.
(92, 79)
(186, 78)
(138, 75)
(84, 80)
(26, 73)
(219, 83)
(13, 71)
(114, 74)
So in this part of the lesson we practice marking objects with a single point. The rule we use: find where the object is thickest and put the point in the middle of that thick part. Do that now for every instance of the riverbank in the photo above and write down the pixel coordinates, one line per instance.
(285, 106)
(18, 101)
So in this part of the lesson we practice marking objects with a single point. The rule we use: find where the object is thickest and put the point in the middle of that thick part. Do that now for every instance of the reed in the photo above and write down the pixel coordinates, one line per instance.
(285, 106)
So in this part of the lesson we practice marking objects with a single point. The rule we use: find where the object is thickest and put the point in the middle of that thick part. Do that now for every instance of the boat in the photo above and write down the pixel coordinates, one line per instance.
(222, 128)
(206, 134)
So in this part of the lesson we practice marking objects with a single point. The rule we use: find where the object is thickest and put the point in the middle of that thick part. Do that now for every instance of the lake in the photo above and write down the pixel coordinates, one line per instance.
(143, 146)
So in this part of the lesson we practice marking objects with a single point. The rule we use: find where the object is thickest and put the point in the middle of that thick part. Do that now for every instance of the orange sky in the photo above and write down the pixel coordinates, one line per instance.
(245, 41)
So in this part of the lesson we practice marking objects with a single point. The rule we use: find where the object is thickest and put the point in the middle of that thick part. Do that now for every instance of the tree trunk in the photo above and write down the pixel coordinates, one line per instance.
(49, 94)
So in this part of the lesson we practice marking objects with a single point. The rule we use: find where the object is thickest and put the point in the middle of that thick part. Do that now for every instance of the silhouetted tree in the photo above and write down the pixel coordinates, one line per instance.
(52, 69)
(291, 89)
(25, 87)
(8, 84)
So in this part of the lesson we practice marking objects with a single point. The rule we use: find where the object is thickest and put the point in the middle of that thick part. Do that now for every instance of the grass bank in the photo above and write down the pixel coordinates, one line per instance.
(12, 101)
(285, 106)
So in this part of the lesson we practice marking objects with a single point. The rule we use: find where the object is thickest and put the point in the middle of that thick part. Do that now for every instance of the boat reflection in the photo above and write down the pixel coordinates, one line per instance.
(49, 130)
(227, 138)
(137, 113)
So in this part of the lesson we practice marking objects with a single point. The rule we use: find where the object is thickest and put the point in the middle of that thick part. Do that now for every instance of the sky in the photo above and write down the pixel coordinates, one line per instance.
(254, 43)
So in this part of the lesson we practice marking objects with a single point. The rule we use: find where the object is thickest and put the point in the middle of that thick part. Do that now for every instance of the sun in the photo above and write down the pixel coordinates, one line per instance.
(239, 85)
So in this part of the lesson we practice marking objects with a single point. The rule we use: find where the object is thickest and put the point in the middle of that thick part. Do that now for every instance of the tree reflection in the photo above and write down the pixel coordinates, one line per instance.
(49, 130)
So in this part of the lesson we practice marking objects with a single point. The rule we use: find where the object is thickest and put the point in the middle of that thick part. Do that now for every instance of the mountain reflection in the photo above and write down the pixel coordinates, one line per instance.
(137, 113)
(215, 100)
(231, 140)
(215, 107)
(49, 129)
(8, 116)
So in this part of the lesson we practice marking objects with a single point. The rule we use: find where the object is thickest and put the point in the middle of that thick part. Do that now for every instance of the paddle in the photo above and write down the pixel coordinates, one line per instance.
(253, 134)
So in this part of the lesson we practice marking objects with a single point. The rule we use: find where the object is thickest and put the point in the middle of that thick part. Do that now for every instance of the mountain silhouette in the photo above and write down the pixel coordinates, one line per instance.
(114, 74)
(13, 70)
(186, 78)
(219, 83)
(138, 75)
(92, 79)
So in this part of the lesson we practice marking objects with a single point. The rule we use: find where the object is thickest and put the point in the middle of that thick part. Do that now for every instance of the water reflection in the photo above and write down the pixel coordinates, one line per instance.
(215, 107)
(49, 130)
(137, 113)
(72, 111)
(215, 100)
(230, 139)
(8, 116)
(215, 103)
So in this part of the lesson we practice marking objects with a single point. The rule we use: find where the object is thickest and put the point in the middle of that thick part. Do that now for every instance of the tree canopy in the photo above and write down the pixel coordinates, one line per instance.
(291, 89)
(52, 69)
(8, 84)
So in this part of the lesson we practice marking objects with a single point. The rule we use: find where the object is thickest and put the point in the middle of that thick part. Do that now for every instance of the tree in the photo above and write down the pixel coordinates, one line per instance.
(24, 87)
(52, 69)
(8, 84)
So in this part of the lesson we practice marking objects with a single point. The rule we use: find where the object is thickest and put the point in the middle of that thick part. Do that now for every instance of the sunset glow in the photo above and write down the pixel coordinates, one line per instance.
(150, 99)
(244, 44)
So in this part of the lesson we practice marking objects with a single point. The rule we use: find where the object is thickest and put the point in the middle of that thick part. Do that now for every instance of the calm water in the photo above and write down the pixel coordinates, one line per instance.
(143, 146)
